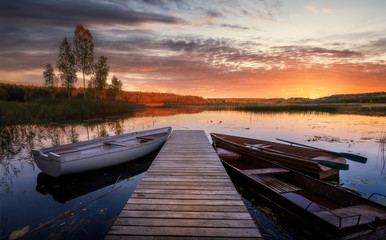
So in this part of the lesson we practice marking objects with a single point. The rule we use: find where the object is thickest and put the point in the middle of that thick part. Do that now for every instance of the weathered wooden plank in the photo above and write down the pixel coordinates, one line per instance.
(188, 169)
(187, 187)
(186, 196)
(203, 174)
(184, 215)
(187, 202)
(186, 155)
(191, 165)
(349, 216)
(185, 231)
(169, 149)
(275, 184)
(189, 162)
(265, 171)
(184, 170)
(185, 183)
(137, 237)
(184, 208)
(190, 159)
(157, 222)
(176, 179)
(179, 191)
(186, 177)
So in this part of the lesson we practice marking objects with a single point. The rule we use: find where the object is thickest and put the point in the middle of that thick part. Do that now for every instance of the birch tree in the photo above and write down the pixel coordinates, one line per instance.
(66, 66)
(101, 72)
(84, 52)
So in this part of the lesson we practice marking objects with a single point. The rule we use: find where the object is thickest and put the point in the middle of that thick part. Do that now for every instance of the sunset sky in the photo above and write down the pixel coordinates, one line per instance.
(256, 48)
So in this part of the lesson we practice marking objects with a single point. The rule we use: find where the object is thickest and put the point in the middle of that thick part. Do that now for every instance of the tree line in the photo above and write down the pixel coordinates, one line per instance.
(374, 97)
(24, 93)
(80, 57)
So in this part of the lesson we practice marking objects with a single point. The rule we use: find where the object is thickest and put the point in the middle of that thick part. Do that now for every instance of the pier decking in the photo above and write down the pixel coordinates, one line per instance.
(185, 194)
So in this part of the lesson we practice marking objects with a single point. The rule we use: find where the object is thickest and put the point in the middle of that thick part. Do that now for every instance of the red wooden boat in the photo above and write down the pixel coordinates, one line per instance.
(309, 161)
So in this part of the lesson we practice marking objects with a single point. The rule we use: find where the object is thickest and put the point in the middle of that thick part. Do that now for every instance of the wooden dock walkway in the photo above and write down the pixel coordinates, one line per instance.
(185, 194)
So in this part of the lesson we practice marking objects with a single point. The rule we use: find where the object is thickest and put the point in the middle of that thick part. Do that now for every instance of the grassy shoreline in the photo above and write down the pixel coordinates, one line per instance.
(62, 110)
(46, 111)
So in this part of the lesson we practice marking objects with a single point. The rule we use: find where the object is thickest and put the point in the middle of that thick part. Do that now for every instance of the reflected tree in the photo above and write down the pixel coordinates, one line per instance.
(116, 127)
(73, 136)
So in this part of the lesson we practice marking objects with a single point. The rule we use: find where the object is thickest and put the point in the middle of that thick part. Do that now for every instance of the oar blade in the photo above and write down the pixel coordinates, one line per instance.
(353, 157)
(349, 156)
(335, 165)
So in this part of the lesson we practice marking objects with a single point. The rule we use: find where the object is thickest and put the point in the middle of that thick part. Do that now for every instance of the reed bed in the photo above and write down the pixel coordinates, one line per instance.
(48, 111)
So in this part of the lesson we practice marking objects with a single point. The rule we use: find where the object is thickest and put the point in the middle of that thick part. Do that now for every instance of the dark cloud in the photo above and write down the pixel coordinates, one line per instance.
(25, 61)
(70, 13)
(213, 13)
(167, 5)
(18, 38)
(34, 29)
(180, 45)
(333, 53)
(234, 26)
(303, 54)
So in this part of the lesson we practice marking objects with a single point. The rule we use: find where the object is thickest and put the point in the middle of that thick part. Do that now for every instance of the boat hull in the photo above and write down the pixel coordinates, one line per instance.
(56, 162)
(309, 201)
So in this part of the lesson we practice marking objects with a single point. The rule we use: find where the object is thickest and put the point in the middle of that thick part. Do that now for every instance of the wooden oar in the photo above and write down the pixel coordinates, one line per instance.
(349, 156)
(330, 164)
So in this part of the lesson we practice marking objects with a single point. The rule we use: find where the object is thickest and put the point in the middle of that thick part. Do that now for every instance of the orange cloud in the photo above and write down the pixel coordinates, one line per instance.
(313, 8)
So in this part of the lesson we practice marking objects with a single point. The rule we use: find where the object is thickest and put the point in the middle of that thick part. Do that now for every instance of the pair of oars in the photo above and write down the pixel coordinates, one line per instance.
(330, 164)
(349, 156)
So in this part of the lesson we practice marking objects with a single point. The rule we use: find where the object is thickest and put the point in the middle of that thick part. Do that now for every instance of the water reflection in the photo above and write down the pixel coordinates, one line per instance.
(66, 188)
(16, 142)
(382, 152)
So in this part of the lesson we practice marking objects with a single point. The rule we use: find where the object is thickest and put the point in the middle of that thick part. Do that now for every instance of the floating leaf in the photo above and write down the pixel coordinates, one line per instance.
(19, 233)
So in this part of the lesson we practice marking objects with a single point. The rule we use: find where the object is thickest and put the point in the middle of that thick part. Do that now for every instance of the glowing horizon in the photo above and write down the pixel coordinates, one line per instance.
(224, 49)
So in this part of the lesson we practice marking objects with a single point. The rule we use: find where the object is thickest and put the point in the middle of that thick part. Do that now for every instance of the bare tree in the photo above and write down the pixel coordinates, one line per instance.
(50, 79)
(84, 51)
(66, 66)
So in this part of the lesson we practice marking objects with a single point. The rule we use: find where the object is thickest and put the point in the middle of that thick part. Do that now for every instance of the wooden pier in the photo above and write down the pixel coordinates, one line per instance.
(185, 194)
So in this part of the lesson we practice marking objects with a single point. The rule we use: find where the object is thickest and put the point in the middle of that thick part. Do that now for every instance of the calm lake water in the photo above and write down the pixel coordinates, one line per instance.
(84, 206)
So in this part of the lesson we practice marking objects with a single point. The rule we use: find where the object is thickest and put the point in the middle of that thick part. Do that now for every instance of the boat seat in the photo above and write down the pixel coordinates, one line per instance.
(276, 185)
(260, 171)
(151, 137)
(65, 150)
(115, 143)
(353, 215)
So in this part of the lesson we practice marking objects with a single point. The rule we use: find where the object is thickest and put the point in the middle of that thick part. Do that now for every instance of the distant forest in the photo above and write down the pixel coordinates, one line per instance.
(375, 97)
(24, 93)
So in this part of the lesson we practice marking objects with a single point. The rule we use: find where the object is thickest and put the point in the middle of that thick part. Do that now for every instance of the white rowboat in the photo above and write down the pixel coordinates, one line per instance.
(99, 153)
